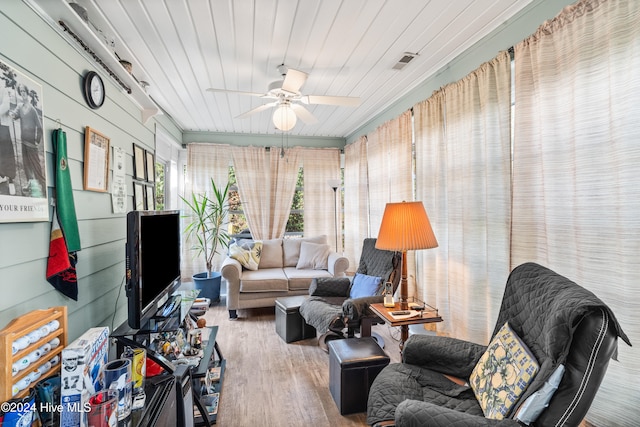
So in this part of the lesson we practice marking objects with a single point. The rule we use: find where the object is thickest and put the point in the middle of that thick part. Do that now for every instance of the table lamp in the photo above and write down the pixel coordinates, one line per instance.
(405, 227)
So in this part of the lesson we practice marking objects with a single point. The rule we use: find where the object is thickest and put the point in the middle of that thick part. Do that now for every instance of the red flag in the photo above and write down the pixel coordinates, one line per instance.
(61, 266)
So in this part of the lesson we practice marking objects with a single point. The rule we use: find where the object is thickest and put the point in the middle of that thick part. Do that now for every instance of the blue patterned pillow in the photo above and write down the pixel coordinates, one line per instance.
(503, 373)
(364, 286)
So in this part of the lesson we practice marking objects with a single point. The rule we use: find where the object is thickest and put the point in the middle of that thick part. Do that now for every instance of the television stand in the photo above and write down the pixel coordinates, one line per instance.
(207, 373)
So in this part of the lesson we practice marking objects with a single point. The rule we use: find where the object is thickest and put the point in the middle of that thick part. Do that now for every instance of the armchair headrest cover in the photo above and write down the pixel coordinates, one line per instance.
(379, 262)
(545, 309)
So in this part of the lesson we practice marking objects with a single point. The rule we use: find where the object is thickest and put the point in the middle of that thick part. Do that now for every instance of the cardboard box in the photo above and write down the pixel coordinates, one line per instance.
(82, 362)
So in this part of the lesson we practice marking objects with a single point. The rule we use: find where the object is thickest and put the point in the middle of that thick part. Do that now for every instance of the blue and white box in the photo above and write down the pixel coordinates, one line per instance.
(82, 363)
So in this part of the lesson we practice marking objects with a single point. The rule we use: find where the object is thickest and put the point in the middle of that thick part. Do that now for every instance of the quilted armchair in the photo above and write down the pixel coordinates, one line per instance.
(571, 333)
(329, 308)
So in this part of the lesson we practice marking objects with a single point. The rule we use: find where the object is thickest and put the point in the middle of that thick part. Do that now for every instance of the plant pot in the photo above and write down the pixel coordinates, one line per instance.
(209, 287)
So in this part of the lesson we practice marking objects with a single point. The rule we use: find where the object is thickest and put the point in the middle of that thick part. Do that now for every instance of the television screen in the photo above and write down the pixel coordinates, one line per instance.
(153, 262)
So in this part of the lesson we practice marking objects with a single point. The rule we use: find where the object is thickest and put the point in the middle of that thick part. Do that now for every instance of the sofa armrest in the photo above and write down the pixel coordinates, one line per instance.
(356, 308)
(446, 355)
(415, 413)
(231, 271)
(330, 287)
(337, 264)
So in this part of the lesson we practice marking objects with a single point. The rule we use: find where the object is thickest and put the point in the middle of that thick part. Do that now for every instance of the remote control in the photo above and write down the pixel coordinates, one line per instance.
(400, 313)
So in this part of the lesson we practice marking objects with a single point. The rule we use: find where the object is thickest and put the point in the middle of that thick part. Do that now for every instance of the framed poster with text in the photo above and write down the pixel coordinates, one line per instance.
(96, 161)
(23, 172)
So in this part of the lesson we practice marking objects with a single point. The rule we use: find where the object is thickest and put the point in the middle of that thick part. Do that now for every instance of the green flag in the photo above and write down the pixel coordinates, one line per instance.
(64, 193)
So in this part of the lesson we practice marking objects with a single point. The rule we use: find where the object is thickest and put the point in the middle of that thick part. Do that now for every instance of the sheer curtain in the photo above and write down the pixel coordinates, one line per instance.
(576, 176)
(389, 162)
(284, 176)
(431, 189)
(472, 186)
(356, 203)
(204, 162)
(320, 165)
(389, 166)
(253, 175)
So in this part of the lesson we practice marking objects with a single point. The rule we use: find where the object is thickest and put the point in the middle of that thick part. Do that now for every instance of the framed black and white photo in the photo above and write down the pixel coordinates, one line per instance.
(151, 167)
(23, 172)
(139, 168)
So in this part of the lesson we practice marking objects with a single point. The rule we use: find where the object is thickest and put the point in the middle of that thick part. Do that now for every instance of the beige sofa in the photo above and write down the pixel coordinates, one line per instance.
(286, 267)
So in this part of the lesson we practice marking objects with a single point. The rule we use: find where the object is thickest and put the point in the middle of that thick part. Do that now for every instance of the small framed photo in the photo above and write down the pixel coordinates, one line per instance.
(138, 196)
(151, 167)
(139, 168)
(150, 203)
(96, 161)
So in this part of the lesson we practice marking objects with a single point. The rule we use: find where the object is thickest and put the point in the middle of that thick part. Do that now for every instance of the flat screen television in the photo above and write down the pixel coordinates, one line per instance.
(152, 262)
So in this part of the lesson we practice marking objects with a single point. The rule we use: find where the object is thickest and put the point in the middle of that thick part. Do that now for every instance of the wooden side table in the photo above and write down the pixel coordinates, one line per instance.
(429, 315)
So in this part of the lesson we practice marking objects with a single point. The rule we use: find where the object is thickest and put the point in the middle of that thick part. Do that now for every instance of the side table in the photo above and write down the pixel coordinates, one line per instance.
(428, 315)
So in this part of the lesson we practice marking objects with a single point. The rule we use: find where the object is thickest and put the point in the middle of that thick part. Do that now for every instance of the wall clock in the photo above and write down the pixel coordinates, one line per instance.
(94, 92)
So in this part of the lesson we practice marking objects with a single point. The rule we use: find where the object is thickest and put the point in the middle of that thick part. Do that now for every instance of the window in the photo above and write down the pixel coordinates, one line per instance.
(238, 221)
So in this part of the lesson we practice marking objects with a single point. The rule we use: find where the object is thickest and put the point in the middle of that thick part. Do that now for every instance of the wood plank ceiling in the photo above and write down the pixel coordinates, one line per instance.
(348, 47)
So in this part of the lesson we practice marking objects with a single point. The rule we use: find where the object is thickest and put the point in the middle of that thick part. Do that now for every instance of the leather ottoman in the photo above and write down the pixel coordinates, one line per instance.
(290, 325)
(353, 365)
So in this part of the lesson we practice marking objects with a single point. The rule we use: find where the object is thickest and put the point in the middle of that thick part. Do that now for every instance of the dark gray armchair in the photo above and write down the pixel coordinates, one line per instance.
(561, 323)
(329, 308)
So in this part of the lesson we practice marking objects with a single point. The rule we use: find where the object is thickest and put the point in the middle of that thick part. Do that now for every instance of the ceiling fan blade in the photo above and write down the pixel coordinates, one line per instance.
(237, 92)
(294, 80)
(345, 101)
(304, 114)
(257, 110)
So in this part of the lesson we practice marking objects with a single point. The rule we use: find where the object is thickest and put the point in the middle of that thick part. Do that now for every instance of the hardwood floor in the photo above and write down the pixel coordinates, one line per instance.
(268, 382)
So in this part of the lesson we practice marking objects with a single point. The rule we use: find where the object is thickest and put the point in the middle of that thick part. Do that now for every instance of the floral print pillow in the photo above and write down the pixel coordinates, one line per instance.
(247, 253)
(503, 373)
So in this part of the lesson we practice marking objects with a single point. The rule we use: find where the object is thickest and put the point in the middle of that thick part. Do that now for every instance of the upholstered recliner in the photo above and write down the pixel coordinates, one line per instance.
(560, 322)
(329, 308)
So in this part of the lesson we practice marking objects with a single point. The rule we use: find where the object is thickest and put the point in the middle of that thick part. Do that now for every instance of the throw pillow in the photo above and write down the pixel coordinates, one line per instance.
(313, 256)
(247, 253)
(503, 373)
(271, 256)
(291, 248)
(364, 286)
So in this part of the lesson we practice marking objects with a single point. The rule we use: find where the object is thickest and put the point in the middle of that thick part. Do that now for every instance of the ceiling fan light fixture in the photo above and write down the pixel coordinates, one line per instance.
(284, 118)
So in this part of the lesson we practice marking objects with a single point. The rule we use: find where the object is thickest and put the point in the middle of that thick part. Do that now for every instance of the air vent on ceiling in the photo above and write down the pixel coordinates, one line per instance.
(406, 58)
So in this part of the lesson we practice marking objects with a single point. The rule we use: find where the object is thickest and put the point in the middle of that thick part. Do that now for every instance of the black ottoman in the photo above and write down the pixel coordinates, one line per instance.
(290, 325)
(353, 365)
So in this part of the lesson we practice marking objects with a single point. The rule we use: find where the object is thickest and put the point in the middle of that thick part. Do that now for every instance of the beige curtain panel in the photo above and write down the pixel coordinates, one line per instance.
(570, 140)
(204, 162)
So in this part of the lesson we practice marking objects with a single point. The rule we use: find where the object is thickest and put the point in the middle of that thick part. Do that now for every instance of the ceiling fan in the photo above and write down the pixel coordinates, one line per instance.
(288, 99)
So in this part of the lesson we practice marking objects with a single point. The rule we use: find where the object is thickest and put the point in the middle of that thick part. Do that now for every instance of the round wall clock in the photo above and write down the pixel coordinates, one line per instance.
(94, 92)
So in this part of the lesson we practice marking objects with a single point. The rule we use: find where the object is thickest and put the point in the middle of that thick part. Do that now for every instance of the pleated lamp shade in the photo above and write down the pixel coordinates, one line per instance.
(405, 227)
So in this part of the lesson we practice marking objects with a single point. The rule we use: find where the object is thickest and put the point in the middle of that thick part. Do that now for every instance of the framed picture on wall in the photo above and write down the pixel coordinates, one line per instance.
(150, 203)
(96, 161)
(151, 166)
(139, 168)
(138, 196)
(23, 172)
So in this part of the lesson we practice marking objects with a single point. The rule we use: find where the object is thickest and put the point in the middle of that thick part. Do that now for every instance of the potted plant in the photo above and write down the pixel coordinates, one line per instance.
(207, 235)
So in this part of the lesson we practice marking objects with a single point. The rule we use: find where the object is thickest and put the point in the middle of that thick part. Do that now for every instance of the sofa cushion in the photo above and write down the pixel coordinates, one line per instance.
(291, 248)
(364, 286)
(264, 280)
(246, 252)
(313, 256)
(271, 254)
(503, 373)
(301, 279)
